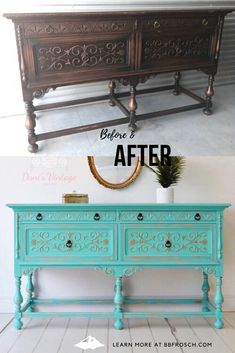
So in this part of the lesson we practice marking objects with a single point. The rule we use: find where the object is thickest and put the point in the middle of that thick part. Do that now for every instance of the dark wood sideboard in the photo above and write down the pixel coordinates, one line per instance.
(59, 49)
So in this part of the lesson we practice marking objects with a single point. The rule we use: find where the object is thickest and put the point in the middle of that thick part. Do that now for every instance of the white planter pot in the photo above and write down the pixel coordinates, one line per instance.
(165, 195)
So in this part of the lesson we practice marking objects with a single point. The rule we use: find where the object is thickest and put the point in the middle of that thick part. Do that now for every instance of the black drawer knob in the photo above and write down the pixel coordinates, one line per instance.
(205, 22)
(168, 244)
(39, 217)
(69, 243)
(197, 217)
(96, 217)
(140, 217)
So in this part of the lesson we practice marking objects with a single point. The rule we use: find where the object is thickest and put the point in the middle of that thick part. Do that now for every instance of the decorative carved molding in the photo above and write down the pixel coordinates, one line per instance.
(28, 270)
(77, 27)
(155, 49)
(118, 271)
(82, 55)
(213, 270)
(68, 216)
(107, 270)
(21, 55)
(134, 81)
(168, 216)
(39, 93)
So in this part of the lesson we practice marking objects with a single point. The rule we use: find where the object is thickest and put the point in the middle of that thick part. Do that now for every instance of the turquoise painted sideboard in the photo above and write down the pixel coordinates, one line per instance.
(119, 239)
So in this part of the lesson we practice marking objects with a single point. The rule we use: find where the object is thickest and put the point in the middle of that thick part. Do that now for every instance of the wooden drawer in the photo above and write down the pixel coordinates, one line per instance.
(85, 243)
(72, 216)
(169, 243)
(142, 216)
(80, 26)
(161, 24)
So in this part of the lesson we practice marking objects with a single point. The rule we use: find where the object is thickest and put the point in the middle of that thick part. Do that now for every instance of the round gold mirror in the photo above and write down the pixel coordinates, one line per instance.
(110, 176)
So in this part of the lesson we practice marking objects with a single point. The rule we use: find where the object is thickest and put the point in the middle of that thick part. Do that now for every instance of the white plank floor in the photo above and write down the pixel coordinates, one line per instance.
(59, 335)
(189, 133)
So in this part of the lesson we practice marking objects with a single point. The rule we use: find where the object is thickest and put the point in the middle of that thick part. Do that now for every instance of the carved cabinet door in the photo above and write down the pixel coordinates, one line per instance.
(79, 51)
(168, 42)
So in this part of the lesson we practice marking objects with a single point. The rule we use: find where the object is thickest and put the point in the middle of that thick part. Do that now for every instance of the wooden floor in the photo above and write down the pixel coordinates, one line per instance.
(59, 335)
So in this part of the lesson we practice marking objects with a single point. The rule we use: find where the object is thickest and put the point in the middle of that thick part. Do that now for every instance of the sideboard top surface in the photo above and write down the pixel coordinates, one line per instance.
(74, 14)
(125, 206)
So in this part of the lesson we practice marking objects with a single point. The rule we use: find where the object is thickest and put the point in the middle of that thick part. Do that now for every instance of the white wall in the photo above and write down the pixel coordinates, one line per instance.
(44, 180)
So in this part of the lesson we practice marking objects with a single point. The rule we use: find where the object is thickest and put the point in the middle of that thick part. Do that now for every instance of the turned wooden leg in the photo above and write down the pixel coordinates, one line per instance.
(30, 290)
(30, 125)
(132, 106)
(209, 94)
(18, 299)
(218, 302)
(205, 291)
(112, 86)
(118, 301)
(177, 78)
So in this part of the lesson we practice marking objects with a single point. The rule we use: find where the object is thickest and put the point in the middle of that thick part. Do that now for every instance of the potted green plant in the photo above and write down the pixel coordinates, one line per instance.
(167, 173)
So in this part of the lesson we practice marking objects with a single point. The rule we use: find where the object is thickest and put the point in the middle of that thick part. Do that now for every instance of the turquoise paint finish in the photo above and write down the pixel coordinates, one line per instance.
(119, 239)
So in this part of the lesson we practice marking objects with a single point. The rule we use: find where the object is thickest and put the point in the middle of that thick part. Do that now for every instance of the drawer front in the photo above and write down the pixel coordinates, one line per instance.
(85, 243)
(80, 26)
(169, 244)
(182, 23)
(142, 216)
(71, 216)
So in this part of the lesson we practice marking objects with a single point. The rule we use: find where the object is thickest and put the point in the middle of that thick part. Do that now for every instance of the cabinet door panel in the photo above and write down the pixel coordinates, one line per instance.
(171, 243)
(83, 243)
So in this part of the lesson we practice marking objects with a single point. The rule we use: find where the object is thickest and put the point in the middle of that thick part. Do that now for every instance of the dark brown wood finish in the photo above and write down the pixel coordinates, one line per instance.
(58, 49)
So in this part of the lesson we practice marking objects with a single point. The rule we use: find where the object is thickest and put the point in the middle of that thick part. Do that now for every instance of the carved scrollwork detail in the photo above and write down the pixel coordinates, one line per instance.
(82, 242)
(76, 27)
(82, 55)
(145, 242)
(28, 270)
(213, 270)
(107, 270)
(39, 93)
(125, 81)
(128, 271)
(155, 49)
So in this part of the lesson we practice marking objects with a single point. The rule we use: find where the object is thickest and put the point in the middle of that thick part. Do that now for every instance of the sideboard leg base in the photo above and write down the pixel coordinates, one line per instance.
(30, 124)
(177, 78)
(118, 301)
(132, 106)
(33, 148)
(118, 324)
(218, 324)
(205, 291)
(209, 94)
(219, 299)
(112, 86)
(30, 290)
(18, 299)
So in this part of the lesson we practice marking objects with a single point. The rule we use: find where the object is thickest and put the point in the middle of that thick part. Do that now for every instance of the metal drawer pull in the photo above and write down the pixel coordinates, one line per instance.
(39, 217)
(168, 244)
(96, 217)
(205, 22)
(140, 217)
(69, 243)
(197, 217)
(156, 24)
